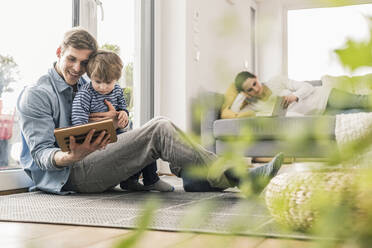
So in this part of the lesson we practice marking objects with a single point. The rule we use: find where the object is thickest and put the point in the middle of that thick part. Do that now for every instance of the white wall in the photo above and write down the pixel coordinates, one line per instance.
(170, 60)
(270, 39)
(203, 44)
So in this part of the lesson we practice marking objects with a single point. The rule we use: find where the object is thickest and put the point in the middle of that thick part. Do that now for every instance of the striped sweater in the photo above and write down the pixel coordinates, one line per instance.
(87, 101)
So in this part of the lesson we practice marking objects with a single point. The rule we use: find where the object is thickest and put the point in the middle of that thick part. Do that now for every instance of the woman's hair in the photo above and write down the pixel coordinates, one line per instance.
(241, 78)
(79, 38)
(105, 65)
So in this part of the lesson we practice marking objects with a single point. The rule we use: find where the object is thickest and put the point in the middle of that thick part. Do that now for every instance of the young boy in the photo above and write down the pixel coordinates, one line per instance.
(104, 69)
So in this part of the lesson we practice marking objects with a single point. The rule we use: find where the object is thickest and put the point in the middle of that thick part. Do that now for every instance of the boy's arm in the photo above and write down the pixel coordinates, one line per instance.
(122, 104)
(81, 108)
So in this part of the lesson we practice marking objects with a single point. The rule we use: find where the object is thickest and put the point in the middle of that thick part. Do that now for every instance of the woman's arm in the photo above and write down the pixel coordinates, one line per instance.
(299, 89)
(226, 112)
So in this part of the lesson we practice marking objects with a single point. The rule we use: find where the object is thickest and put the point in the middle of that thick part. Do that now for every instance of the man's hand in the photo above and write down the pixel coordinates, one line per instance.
(288, 100)
(122, 119)
(79, 151)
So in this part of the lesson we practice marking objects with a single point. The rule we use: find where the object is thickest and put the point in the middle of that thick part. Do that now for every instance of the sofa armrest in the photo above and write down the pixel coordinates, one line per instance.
(207, 106)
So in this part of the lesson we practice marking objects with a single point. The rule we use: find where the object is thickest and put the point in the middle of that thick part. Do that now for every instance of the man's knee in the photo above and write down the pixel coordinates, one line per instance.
(163, 123)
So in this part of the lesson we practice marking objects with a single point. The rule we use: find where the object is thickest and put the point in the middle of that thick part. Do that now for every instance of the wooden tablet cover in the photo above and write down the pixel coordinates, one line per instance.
(80, 132)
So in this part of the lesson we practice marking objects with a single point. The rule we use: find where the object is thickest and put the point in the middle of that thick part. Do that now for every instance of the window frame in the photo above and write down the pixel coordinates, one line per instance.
(253, 63)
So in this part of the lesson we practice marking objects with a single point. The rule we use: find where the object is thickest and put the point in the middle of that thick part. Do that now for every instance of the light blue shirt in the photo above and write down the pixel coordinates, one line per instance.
(42, 107)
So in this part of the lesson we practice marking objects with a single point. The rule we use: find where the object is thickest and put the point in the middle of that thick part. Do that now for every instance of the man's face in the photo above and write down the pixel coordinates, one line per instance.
(102, 87)
(252, 87)
(72, 63)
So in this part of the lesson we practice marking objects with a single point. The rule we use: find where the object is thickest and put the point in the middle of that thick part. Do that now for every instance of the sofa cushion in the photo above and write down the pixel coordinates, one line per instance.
(269, 128)
(355, 84)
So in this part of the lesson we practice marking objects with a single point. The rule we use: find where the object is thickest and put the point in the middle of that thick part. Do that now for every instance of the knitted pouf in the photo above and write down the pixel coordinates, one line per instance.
(293, 198)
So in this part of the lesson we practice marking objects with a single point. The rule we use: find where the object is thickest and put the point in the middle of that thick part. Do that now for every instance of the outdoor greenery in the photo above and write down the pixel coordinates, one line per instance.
(8, 72)
(111, 47)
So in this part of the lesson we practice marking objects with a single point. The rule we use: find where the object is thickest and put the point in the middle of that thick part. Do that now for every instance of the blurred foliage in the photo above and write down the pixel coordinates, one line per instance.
(143, 222)
(228, 25)
(8, 72)
(332, 202)
(356, 54)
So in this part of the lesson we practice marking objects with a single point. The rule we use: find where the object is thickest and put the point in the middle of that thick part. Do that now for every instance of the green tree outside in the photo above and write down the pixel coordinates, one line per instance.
(8, 72)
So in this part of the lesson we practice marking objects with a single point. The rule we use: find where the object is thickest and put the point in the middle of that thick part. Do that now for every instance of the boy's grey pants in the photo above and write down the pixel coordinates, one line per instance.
(159, 138)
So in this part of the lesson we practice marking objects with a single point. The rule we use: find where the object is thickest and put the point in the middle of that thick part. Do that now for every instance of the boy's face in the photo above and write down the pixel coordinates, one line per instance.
(101, 87)
(72, 63)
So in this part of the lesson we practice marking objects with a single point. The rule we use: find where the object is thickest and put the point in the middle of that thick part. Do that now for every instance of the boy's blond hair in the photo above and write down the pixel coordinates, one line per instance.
(79, 38)
(105, 66)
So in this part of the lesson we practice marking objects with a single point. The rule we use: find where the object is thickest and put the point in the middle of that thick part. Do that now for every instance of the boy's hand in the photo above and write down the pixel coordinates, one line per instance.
(110, 114)
(122, 119)
(99, 116)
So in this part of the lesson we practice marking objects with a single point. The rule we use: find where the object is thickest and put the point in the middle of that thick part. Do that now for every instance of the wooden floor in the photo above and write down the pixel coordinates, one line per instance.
(27, 235)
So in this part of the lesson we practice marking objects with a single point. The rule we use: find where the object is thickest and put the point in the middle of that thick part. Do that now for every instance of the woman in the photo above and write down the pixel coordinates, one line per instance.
(247, 97)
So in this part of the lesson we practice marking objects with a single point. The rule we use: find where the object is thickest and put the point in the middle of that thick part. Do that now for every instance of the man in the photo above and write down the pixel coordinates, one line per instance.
(98, 166)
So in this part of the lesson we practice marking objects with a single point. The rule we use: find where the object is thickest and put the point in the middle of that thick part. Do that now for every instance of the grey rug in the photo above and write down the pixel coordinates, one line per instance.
(120, 209)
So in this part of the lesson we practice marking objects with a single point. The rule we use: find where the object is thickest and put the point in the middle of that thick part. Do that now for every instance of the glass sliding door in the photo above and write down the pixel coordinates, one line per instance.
(30, 34)
(116, 32)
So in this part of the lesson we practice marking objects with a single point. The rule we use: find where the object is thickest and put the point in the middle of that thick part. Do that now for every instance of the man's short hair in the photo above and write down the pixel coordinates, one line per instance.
(79, 38)
(241, 78)
(104, 65)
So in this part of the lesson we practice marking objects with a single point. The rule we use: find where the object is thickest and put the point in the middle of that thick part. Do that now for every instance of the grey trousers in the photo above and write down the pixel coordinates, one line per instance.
(344, 102)
(159, 138)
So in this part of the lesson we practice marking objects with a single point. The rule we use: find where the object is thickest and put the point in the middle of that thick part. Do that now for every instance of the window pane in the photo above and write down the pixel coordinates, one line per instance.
(116, 32)
(30, 34)
(313, 34)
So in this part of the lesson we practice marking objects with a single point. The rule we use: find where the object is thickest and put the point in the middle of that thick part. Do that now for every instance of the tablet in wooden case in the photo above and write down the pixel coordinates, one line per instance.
(80, 132)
